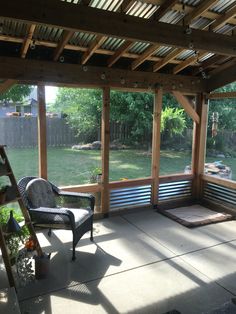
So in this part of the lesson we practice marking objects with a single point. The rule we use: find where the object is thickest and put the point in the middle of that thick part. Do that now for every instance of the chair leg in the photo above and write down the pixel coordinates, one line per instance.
(91, 232)
(73, 253)
(50, 232)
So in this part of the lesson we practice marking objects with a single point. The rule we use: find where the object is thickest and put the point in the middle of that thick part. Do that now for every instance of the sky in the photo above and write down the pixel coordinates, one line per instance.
(51, 93)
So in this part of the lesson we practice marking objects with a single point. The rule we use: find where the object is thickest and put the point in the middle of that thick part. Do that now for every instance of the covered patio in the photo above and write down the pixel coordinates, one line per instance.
(140, 261)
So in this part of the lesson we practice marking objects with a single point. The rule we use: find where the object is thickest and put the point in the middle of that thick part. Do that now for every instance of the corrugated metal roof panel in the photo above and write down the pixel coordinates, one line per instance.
(223, 5)
(209, 55)
(186, 54)
(112, 43)
(139, 47)
(82, 39)
(226, 29)
(163, 51)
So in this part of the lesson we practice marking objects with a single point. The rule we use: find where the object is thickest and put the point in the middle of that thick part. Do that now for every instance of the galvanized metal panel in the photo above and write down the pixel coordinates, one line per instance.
(216, 192)
(173, 190)
(134, 196)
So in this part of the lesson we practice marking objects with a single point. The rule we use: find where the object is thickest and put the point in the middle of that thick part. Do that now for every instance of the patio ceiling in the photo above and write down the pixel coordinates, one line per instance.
(183, 45)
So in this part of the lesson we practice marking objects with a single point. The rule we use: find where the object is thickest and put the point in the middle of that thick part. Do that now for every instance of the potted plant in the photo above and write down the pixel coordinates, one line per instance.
(13, 239)
(96, 175)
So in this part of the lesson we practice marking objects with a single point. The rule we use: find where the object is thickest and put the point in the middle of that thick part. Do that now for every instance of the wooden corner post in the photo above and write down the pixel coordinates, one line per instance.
(42, 132)
(156, 144)
(105, 139)
(199, 146)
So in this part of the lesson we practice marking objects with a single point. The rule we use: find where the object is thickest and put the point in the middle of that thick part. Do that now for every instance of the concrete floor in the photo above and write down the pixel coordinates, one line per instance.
(139, 263)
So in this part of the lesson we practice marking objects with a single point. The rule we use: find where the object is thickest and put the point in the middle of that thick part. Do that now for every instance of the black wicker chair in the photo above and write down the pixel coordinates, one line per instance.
(72, 211)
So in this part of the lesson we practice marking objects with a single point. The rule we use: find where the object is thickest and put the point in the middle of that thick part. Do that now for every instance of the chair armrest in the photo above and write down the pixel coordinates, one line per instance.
(74, 195)
(52, 215)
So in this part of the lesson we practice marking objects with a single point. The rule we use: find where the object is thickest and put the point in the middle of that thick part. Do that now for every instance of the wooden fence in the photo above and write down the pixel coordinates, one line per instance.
(21, 132)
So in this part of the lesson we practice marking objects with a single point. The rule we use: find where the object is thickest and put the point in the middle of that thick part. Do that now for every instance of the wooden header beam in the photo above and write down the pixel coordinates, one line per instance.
(32, 71)
(222, 95)
(226, 76)
(81, 18)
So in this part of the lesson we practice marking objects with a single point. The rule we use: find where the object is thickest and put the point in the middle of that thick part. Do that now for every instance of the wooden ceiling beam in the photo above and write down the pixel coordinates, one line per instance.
(164, 8)
(95, 44)
(27, 40)
(6, 85)
(88, 19)
(226, 76)
(160, 64)
(186, 104)
(222, 20)
(65, 37)
(49, 72)
(144, 56)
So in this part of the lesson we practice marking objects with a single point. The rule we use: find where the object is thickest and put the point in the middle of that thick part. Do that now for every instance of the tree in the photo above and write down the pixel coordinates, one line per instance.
(82, 108)
(16, 93)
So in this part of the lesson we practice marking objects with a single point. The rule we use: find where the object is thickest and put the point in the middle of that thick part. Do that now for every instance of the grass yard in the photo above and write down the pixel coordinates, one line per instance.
(69, 167)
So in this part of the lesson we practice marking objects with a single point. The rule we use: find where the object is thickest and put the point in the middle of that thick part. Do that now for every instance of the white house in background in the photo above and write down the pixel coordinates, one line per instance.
(24, 108)
(28, 107)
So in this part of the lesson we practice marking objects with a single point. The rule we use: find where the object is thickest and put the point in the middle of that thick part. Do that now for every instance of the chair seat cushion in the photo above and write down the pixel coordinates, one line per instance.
(40, 193)
(60, 215)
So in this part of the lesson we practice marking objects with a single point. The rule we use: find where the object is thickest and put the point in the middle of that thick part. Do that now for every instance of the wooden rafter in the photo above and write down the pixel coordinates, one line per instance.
(126, 5)
(81, 48)
(144, 56)
(226, 76)
(222, 67)
(27, 40)
(201, 8)
(65, 37)
(160, 64)
(222, 20)
(186, 104)
(72, 74)
(207, 64)
(120, 52)
(6, 85)
(113, 24)
(96, 43)
(189, 61)
(184, 64)
(164, 8)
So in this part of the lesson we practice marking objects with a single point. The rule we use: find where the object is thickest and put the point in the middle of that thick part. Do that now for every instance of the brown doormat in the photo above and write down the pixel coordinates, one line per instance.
(195, 215)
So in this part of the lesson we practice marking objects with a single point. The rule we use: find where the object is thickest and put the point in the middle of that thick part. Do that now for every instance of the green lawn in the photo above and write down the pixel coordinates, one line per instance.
(68, 167)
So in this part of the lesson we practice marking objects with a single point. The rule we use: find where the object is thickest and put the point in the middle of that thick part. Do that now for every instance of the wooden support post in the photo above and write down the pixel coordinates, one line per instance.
(156, 143)
(42, 134)
(199, 146)
(105, 139)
